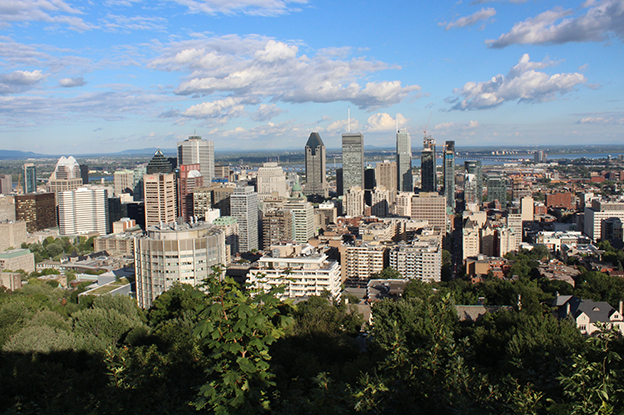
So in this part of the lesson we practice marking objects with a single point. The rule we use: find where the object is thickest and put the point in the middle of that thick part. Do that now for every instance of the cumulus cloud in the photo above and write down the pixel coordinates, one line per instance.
(476, 17)
(523, 83)
(48, 11)
(72, 82)
(19, 81)
(602, 120)
(384, 122)
(341, 126)
(222, 109)
(266, 112)
(250, 7)
(601, 20)
(259, 68)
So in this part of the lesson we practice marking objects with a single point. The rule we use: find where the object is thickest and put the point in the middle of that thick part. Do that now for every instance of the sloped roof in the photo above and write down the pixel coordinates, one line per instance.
(314, 140)
(597, 311)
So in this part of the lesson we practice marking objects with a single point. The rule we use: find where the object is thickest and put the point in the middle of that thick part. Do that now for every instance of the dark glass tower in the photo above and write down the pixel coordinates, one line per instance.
(474, 167)
(497, 190)
(315, 167)
(428, 166)
(159, 164)
(449, 173)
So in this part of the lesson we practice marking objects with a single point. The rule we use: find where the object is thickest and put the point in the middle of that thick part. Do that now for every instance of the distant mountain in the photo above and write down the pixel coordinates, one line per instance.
(148, 151)
(20, 155)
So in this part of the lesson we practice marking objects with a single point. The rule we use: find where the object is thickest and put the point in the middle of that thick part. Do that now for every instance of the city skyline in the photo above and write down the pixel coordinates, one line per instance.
(124, 74)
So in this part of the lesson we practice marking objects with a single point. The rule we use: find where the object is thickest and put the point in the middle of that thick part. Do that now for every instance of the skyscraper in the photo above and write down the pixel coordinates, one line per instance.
(497, 190)
(474, 167)
(66, 176)
(428, 166)
(352, 161)
(449, 173)
(271, 181)
(404, 162)
(30, 178)
(160, 198)
(6, 184)
(189, 178)
(82, 211)
(159, 164)
(194, 150)
(244, 207)
(315, 167)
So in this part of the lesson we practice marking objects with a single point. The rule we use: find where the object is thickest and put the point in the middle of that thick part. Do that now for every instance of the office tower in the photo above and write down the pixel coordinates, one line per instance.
(84, 173)
(429, 181)
(315, 167)
(194, 150)
(404, 162)
(326, 214)
(229, 225)
(539, 156)
(519, 189)
(598, 211)
(471, 240)
(474, 167)
(514, 224)
(404, 204)
(123, 182)
(354, 201)
(385, 175)
(115, 211)
(470, 191)
(497, 190)
(369, 183)
(449, 173)
(244, 207)
(175, 254)
(380, 201)
(222, 173)
(339, 184)
(82, 211)
(189, 178)
(30, 178)
(527, 208)
(202, 202)
(139, 172)
(430, 207)
(7, 208)
(277, 227)
(159, 164)
(66, 176)
(271, 181)
(37, 210)
(159, 195)
(302, 219)
(6, 184)
(352, 161)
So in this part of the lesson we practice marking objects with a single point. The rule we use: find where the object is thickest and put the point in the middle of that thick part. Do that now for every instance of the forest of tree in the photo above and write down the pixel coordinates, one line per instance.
(226, 351)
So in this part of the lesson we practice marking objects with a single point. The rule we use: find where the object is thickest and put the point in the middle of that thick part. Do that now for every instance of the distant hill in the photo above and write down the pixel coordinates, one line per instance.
(20, 155)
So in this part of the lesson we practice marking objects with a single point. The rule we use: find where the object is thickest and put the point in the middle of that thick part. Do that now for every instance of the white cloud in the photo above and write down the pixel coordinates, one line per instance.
(116, 23)
(48, 11)
(384, 122)
(523, 83)
(602, 120)
(222, 109)
(251, 7)
(266, 112)
(482, 14)
(341, 126)
(72, 82)
(602, 20)
(446, 126)
(19, 81)
(258, 68)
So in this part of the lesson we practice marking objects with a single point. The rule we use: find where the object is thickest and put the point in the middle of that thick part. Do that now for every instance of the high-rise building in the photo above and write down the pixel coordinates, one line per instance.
(385, 175)
(229, 225)
(354, 201)
(6, 184)
(277, 227)
(123, 182)
(66, 176)
(271, 181)
(430, 207)
(471, 197)
(12, 234)
(449, 173)
(403, 162)
(244, 207)
(7, 208)
(159, 164)
(420, 260)
(599, 211)
(84, 173)
(497, 190)
(82, 211)
(175, 254)
(539, 156)
(38, 210)
(194, 150)
(302, 218)
(352, 161)
(474, 167)
(380, 201)
(315, 167)
(428, 165)
(30, 178)
(159, 195)
(189, 178)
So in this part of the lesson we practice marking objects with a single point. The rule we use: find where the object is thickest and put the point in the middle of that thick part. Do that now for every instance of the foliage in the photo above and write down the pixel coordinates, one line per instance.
(387, 273)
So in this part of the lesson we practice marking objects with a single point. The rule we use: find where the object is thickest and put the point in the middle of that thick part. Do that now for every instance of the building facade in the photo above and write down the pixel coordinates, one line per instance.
(404, 179)
(428, 166)
(352, 161)
(38, 210)
(316, 167)
(83, 211)
(159, 194)
(244, 207)
(449, 173)
(194, 150)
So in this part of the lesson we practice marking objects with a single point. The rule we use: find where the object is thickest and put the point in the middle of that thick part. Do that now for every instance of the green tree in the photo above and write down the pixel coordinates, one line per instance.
(388, 273)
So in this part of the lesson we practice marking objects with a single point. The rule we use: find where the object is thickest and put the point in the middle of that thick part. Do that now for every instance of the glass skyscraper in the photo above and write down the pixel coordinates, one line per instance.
(449, 173)
(352, 161)
(194, 150)
(428, 166)
(474, 167)
(315, 167)
(30, 178)
(404, 161)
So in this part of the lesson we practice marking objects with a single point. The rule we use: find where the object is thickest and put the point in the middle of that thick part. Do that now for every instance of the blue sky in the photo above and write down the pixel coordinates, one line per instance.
(82, 77)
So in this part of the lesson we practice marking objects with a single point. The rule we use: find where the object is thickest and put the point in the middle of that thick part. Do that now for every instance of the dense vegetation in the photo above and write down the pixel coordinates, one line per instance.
(231, 352)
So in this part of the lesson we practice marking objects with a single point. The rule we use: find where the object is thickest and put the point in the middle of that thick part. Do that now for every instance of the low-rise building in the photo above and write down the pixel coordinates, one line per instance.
(17, 259)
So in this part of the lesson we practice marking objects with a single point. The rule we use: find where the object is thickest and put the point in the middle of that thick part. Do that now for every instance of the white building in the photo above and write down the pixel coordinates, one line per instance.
(194, 150)
(175, 254)
(354, 201)
(271, 181)
(302, 220)
(598, 212)
(303, 276)
(421, 260)
(244, 207)
(82, 211)
(381, 201)
(123, 180)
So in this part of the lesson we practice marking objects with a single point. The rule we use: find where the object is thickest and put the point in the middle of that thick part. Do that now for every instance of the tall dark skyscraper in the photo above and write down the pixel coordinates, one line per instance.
(449, 173)
(159, 164)
(497, 190)
(352, 161)
(30, 178)
(315, 167)
(428, 166)
(474, 167)
(404, 162)
(84, 173)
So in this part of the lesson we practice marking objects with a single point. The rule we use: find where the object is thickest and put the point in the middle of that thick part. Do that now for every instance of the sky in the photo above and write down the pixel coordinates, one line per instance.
(80, 77)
